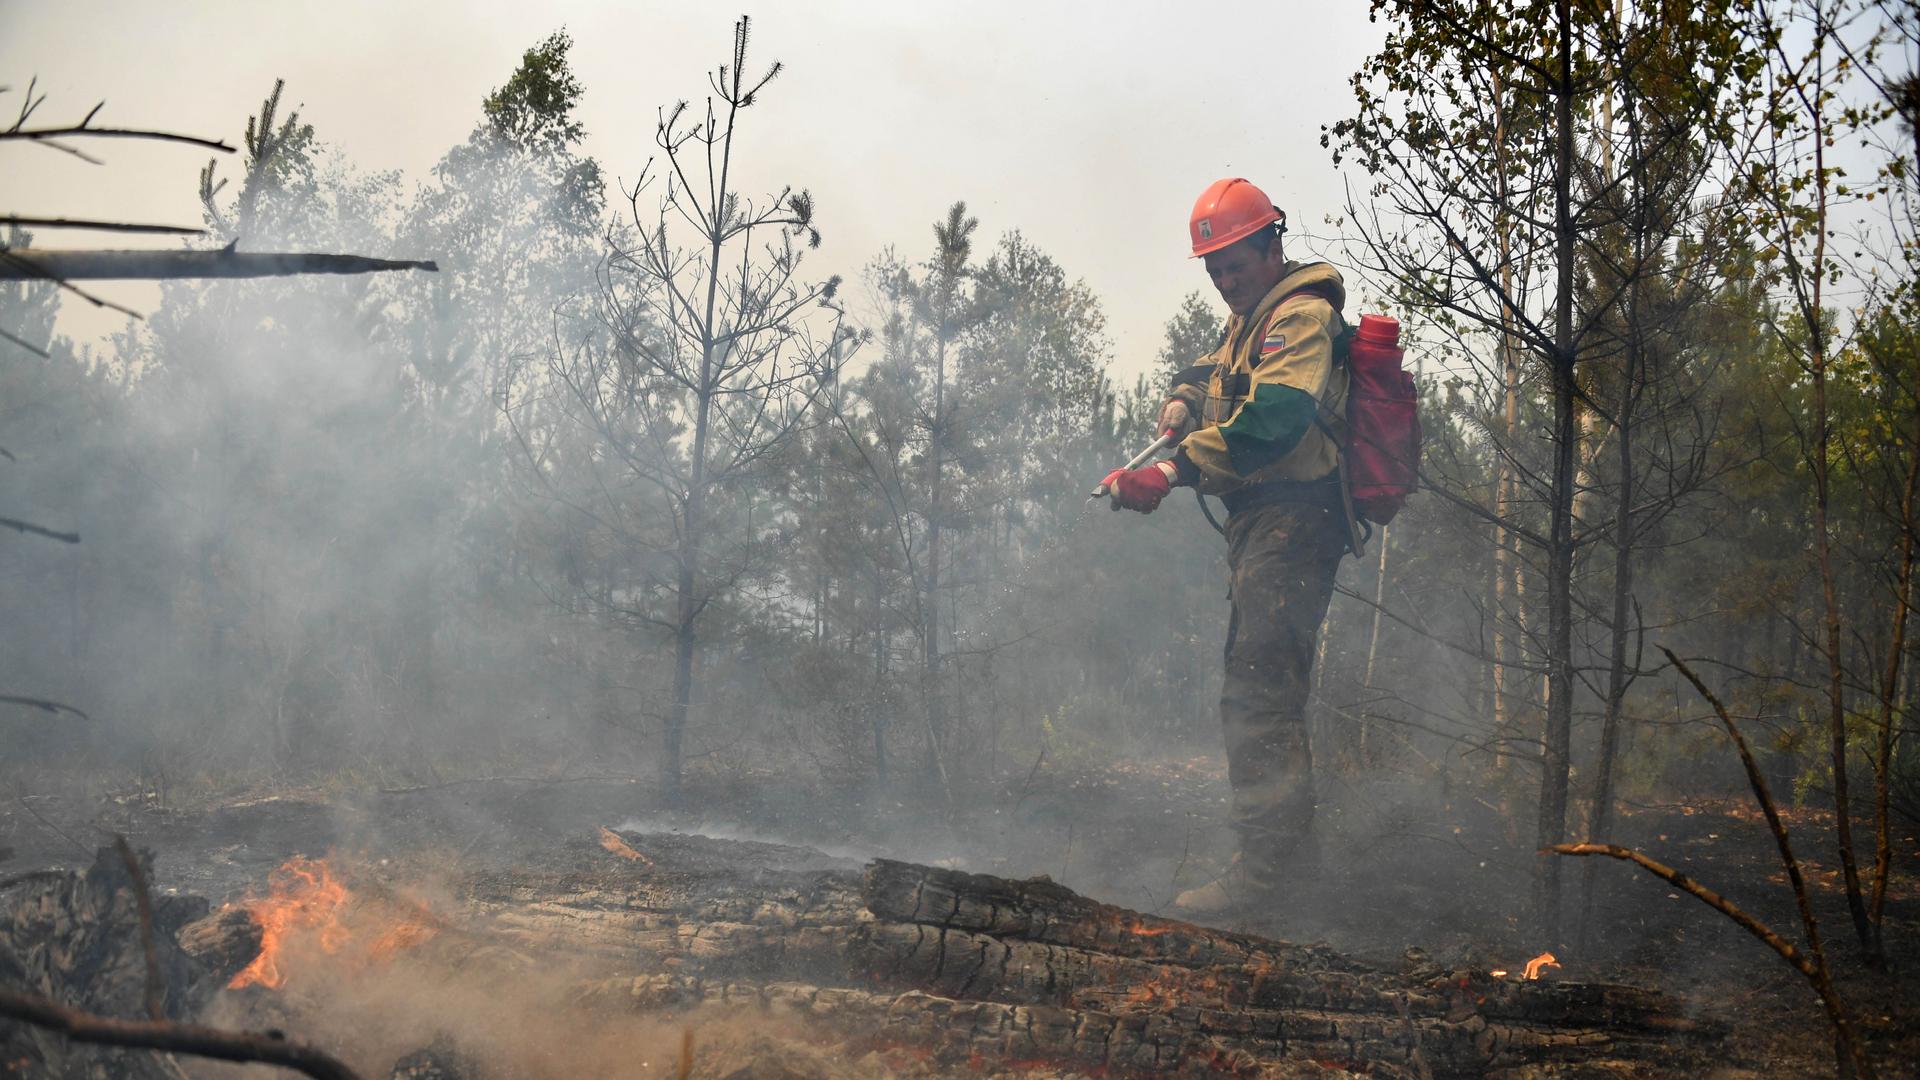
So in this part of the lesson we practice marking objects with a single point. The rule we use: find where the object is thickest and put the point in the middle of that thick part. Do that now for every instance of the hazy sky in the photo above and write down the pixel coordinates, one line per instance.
(1091, 127)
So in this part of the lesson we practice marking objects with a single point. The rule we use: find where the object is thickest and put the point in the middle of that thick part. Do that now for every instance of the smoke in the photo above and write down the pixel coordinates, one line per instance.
(344, 535)
(492, 1011)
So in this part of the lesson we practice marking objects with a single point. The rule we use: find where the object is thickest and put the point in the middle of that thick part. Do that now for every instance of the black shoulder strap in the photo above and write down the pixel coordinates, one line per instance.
(1343, 342)
(1196, 375)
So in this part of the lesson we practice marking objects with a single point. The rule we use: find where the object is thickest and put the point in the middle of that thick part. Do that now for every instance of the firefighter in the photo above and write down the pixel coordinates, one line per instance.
(1259, 422)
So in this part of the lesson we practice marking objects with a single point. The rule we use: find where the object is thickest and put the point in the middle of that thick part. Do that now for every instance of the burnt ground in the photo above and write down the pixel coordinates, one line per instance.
(1393, 871)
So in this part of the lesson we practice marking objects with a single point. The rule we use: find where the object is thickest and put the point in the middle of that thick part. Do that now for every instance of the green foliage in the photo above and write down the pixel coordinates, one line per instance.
(1192, 333)
(534, 110)
(280, 164)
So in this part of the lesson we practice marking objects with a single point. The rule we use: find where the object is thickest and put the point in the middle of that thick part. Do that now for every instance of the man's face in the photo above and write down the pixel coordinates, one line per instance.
(1243, 274)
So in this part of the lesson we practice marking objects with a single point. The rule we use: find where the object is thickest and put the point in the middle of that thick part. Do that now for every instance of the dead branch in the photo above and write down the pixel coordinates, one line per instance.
(1814, 967)
(25, 264)
(30, 347)
(42, 704)
(1700, 892)
(43, 134)
(156, 986)
(1027, 787)
(20, 222)
(1761, 793)
(39, 530)
(26, 271)
(1822, 977)
(168, 1036)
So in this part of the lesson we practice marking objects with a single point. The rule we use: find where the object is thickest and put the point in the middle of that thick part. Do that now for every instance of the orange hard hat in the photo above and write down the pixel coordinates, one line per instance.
(1227, 212)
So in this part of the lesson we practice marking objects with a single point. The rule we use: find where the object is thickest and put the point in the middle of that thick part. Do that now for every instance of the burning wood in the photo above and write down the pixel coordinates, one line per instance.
(1538, 964)
(985, 968)
(303, 896)
(963, 968)
(1533, 969)
(76, 958)
(307, 902)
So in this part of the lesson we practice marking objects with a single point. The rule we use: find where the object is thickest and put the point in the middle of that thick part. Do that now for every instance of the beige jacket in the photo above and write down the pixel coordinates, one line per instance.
(1257, 395)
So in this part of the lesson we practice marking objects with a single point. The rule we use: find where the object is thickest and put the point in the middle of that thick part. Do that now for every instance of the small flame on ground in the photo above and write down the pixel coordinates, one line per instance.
(1534, 967)
(305, 899)
(612, 842)
(1140, 929)
(302, 895)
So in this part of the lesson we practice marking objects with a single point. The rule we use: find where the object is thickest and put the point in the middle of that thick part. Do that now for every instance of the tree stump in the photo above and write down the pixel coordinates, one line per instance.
(75, 938)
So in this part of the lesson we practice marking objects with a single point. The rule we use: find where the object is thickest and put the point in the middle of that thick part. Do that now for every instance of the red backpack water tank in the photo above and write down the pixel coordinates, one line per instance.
(1383, 421)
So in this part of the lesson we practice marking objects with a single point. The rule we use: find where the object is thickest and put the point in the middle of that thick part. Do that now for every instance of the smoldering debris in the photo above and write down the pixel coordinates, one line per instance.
(583, 962)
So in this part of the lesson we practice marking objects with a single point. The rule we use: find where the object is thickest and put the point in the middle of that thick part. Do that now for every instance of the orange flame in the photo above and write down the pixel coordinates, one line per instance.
(302, 895)
(1533, 969)
(612, 842)
(305, 900)
(1141, 929)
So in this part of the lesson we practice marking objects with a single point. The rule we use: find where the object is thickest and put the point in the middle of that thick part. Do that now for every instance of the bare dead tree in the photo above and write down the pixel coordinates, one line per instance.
(699, 367)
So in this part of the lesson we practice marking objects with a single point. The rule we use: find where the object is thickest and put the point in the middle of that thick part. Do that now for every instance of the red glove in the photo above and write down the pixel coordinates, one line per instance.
(1140, 489)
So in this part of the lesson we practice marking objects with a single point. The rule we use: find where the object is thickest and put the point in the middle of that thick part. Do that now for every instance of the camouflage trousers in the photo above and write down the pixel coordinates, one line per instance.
(1281, 562)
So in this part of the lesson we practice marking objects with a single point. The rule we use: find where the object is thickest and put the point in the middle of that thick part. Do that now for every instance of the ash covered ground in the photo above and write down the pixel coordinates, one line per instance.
(1138, 833)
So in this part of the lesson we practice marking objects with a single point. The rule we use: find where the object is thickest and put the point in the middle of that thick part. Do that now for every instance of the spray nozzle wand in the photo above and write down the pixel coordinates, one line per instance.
(1166, 440)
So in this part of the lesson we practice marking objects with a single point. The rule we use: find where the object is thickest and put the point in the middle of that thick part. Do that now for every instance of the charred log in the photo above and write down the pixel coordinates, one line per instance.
(1012, 970)
(221, 944)
(967, 968)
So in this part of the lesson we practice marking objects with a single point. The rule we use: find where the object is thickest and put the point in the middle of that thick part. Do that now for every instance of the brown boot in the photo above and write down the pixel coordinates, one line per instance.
(1235, 892)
